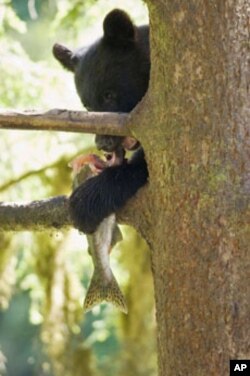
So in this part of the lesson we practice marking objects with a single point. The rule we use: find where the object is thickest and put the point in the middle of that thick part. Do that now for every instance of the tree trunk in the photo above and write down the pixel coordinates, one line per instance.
(194, 126)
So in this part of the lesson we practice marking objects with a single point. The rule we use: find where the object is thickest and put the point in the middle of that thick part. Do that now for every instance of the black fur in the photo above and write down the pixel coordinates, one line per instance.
(111, 75)
(104, 194)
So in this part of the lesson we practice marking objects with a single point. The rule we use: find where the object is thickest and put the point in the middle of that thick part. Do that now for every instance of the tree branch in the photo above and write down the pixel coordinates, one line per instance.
(36, 215)
(53, 213)
(67, 121)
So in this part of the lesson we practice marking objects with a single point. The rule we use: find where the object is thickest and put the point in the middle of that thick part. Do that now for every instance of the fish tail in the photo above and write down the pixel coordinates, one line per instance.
(100, 290)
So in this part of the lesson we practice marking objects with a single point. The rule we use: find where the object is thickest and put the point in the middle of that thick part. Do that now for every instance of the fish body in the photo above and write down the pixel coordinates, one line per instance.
(103, 285)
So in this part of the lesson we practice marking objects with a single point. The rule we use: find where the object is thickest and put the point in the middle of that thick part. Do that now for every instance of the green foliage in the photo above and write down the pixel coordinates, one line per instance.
(8, 262)
(28, 10)
(27, 75)
(43, 277)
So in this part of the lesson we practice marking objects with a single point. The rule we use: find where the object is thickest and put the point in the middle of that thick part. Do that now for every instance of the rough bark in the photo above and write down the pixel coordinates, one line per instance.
(197, 215)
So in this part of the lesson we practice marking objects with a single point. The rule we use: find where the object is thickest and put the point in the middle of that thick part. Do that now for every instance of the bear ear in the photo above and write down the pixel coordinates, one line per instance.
(118, 28)
(65, 56)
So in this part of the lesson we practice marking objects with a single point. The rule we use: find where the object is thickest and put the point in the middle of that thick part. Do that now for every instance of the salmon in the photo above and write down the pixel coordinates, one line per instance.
(103, 285)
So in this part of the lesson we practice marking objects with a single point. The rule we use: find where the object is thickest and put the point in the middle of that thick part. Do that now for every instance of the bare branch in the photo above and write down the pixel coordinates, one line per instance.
(67, 121)
(51, 213)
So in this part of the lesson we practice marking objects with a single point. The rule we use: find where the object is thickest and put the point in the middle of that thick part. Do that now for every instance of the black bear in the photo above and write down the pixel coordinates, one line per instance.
(111, 75)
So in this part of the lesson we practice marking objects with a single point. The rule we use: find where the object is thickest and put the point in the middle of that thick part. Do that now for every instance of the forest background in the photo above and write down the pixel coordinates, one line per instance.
(44, 276)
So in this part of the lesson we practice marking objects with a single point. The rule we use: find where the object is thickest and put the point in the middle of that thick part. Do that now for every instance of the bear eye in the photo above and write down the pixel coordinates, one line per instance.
(109, 96)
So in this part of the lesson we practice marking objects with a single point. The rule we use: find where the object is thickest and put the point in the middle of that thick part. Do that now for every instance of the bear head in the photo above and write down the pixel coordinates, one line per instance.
(112, 74)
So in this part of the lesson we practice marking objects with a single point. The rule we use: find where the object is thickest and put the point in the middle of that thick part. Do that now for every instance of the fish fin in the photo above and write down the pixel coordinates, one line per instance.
(116, 236)
(99, 292)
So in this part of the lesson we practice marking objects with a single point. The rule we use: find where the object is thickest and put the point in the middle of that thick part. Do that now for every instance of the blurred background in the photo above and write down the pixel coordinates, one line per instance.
(44, 276)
